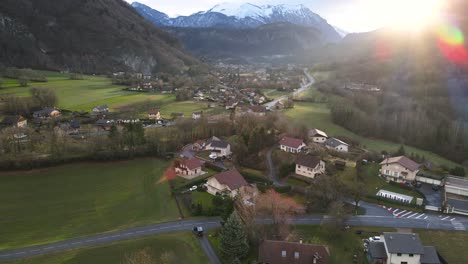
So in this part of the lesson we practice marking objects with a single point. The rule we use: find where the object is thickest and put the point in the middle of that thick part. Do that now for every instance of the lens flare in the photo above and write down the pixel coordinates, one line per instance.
(451, 43)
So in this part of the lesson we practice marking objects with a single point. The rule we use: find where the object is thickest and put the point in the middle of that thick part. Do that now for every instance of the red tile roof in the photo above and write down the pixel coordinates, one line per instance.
(403, 161)
(192, 163)
(232, 178)
(291, 142)
(272, 252)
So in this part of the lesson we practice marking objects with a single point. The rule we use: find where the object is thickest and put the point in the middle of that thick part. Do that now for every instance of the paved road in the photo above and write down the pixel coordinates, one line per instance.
(434, 223)
(209, 251)
(304, 87)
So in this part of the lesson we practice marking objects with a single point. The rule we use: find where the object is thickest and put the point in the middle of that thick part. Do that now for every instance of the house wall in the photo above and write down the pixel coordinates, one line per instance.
(55, 113)
(310, 172)
(429, 180)
(22, 124)
(213, 187)
(342, 148)
(394, 258)
(393, 172)
(456, 190)
(186, 172)
(155, 117)
(319, 140)
(292, 150)
(222, 152)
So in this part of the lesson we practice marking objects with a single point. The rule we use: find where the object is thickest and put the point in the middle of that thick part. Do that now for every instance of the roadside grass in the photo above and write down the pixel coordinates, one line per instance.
(254, 172)
(274, 94)
(295, 182)
(203, 198)
(180, 247)
(450, 244)
(47, 205)
(317, 115)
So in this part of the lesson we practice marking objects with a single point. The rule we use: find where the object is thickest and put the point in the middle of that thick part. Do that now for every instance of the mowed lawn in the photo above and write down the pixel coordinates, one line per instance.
(317, 115)
(166, 248)
(450, 244)
(82, 199)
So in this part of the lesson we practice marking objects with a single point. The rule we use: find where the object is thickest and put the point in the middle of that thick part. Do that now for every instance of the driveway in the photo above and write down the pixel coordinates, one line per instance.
(272, 174)
(209, 250)
(433, 198)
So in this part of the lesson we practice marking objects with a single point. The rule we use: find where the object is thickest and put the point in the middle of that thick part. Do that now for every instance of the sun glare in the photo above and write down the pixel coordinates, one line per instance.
(407, 14)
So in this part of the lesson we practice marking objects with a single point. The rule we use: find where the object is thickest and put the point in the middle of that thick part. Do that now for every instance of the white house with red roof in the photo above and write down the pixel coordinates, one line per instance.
(230, 183)
(189, 168)
(399, 169)
(292, 145)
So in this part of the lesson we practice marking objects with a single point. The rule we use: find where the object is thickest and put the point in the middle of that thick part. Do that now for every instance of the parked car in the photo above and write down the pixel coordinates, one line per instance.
(374, 238)
(193, 188)
(417, 184)
(198, 230)
(435, 187)
(213, 156)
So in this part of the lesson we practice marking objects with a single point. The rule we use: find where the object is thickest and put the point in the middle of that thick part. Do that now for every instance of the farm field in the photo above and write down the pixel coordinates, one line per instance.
(80, 199)
(166, 248)
(84, 95)
(317, 115)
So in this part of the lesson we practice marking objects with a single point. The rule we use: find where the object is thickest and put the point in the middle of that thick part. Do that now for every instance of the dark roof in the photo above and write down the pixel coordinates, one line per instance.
(153, 111)
(104, 122)
(403, 161)
(308, 161)
(219, 144)
(430, 256)
(334, 142)
(192, 163)
(232, 178)
(403, 243)
(291, 142)
(45, 111)
(377, 250)
(271, 252)
(102, 107)
(12, 120)
(74, 124)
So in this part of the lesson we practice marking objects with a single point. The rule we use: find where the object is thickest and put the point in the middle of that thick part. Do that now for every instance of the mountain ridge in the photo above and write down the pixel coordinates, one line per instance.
(243, 16)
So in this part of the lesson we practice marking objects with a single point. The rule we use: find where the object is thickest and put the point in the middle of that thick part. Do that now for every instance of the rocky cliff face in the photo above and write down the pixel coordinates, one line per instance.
(87, 36)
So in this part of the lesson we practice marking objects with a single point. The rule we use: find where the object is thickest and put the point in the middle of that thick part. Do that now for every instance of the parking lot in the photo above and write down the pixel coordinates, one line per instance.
(433, 198)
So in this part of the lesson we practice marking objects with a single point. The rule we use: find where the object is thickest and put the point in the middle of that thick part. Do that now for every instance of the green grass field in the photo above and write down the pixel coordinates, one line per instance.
(450, 244)
(166, 248)
(84, 95)
(75, 200)
(274, 94)
(316, 115)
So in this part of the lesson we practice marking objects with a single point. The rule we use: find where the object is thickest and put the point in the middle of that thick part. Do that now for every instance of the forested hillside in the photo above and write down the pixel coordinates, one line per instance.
(88, 36)
(422, 78)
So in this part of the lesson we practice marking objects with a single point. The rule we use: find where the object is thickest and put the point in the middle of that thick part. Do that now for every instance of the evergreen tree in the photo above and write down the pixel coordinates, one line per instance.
(233, 242)
(401, 151)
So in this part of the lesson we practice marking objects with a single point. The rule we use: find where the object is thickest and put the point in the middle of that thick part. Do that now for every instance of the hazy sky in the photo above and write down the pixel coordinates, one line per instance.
(350, 15)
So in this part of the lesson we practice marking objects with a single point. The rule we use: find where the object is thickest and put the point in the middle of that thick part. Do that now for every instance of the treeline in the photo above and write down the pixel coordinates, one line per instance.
(23, 74)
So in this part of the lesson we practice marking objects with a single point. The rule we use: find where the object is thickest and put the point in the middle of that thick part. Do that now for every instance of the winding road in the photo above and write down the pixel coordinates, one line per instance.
(304, 87)
(381, 220)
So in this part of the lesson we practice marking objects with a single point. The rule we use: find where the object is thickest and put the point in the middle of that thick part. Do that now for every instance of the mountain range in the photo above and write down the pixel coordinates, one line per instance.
(247, 30)
(228, 15)
(86, 36)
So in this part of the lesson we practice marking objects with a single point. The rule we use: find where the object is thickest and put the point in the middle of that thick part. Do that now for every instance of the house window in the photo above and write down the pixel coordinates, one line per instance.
(404, 262)
(299, 166)
(283, 253)
(399, 254)
(411, 255)
(296, 255)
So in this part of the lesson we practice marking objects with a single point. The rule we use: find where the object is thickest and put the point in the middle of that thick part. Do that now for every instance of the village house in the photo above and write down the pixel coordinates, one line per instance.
(220, 147)
(257, 110)
(189, 168)
(232, 184)
(337, 145)
(401, 248)
(309, 166)
(318, 136)
(99, 110)
(231, 104)
(197, 115)
(14, 121)
(199, 145)
(47, 112)
(399, 169)
(154, 114)
(283, 252)
(292, 145)
(71, 127)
